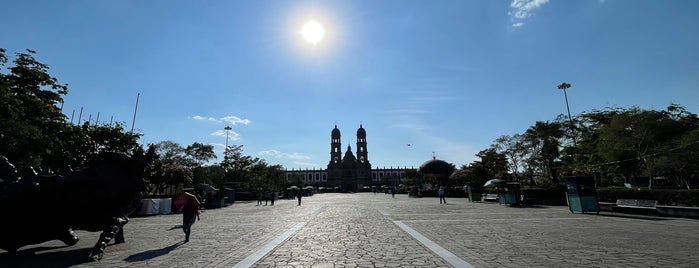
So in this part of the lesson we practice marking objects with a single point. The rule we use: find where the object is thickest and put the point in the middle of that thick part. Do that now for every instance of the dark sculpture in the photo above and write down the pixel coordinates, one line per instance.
(96, 198)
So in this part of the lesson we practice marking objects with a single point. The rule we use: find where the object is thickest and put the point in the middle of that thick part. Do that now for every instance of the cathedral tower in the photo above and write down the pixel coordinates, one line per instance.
(335, 148)
(362, 154)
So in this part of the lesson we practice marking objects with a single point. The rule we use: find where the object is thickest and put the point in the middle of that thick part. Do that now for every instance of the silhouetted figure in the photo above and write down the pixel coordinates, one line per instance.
(441, 194)
(272, 197)
(259, 197)
(190, 213)
(298, 196)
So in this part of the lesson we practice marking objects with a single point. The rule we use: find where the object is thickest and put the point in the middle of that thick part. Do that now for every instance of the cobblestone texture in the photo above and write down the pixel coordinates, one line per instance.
(358, 230)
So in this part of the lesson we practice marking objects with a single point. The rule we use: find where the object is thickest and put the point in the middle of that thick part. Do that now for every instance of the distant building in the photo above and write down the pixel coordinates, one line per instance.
(348, 173)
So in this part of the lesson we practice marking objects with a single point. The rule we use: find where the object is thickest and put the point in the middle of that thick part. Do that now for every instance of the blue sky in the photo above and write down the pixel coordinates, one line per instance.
(444, 76)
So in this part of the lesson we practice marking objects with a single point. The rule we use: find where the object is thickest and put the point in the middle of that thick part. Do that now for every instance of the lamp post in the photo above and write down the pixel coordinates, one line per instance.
(564, 86)
(228, 129)
(225, 168)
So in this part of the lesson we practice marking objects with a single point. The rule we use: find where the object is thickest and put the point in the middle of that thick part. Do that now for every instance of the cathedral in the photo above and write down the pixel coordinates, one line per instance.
(351, 172)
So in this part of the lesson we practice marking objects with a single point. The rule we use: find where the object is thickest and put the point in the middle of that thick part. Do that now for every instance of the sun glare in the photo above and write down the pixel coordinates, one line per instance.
(312, 32)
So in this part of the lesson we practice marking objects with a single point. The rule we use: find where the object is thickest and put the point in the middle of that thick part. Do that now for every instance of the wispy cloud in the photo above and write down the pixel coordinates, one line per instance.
(297, 159)
(278, 154)
(522, 9)
(230, 119)
(233, 120)
(222, 133)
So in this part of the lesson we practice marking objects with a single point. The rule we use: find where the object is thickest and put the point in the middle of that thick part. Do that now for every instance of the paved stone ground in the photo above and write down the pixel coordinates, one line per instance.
(364, 230)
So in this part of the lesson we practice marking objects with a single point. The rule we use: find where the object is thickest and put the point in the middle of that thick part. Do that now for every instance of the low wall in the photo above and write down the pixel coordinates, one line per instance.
(665, 211)
(683, 212)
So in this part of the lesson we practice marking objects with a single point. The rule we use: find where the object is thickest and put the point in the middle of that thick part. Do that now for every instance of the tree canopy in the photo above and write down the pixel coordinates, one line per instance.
(34, 133)
(616, 146)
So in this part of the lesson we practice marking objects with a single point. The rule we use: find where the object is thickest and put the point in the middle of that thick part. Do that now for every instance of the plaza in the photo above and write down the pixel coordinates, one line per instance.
(376, 230)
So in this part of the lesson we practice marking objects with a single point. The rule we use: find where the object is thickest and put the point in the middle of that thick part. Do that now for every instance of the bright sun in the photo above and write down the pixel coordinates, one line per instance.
(312, 32)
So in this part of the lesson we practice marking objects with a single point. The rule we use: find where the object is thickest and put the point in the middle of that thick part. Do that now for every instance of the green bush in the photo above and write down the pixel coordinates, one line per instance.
(544, 196)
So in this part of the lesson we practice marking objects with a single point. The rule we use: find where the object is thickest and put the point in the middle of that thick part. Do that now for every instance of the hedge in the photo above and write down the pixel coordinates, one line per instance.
(689, 198)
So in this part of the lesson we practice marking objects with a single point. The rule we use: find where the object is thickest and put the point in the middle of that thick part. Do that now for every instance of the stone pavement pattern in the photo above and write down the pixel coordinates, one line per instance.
(361, 230)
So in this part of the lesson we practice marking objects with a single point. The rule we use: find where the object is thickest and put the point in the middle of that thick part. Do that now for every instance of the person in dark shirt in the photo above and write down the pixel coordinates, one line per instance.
(190, 213)
(299, 195)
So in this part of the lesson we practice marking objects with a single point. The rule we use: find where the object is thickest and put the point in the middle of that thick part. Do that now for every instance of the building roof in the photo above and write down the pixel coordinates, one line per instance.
(436, 167)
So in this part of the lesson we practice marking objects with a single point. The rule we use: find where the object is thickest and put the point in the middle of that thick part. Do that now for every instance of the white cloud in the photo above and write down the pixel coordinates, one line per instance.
(278, 154)
(201, 118)
(232, 135)
(522, 9)
(230, 119)
(233, 120)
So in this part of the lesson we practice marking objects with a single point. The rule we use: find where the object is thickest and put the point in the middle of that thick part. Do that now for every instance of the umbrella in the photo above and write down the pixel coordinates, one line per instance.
(493, 182)
(185, 198)
(292, 188)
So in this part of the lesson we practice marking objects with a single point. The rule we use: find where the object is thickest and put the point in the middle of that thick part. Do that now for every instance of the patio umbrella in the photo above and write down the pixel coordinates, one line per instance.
(493, 182)
(185, 198)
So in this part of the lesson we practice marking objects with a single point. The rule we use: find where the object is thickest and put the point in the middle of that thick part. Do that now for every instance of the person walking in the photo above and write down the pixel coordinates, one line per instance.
(393, 192)
(299, 195)
(266, 197)
(259, 197)
(441, 194)
(190, 213)
(273, 196)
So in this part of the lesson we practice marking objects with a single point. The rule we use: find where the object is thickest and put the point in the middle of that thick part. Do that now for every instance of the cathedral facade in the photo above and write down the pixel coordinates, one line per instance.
(349, 172)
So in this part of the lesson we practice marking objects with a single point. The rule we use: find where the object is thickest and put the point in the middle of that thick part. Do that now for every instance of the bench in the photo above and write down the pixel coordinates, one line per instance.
(636, 206)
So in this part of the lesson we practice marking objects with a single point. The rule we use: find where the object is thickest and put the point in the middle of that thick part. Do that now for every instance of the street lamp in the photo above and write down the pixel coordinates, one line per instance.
(564, 86)
(228, 129)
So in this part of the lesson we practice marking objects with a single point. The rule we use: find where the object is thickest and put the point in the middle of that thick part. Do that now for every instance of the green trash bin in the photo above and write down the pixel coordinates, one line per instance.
(475, 196)
(508, 194)
(581, 195)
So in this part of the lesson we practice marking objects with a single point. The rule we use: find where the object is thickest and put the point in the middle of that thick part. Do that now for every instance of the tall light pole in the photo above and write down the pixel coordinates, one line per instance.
(228, 129)
(564, 86)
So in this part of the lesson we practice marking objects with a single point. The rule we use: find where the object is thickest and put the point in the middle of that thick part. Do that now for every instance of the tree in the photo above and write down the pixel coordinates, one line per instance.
(543, 143)
(638, 137)
(200, 153)
(176, 165)
(33, 130)
(514, 149)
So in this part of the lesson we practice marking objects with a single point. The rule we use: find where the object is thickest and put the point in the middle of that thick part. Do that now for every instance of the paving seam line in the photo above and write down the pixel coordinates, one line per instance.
(443, 253)
(253, 258)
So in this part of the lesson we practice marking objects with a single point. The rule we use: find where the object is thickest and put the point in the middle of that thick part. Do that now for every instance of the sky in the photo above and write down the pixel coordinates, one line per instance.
(424, 78)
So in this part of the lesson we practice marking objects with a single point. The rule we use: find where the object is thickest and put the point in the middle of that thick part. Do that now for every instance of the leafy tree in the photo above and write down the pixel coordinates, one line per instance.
(544, 145)
(200, 153)
(641, 135)
(177, 165)
(494, 163)
(514, 149)
(33, 130)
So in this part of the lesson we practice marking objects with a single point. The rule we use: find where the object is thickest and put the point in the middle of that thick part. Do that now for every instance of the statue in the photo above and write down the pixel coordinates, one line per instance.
(96, 198)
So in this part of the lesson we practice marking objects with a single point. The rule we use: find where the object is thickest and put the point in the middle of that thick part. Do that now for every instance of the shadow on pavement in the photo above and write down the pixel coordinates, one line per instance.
(153, 253)
(33, 258)
(629, 216)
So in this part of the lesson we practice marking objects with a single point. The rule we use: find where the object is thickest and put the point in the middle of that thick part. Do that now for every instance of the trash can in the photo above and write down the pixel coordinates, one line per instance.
(413, 192)
(474, 192)
(508, 193)
(475, 196)
(581, 195)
